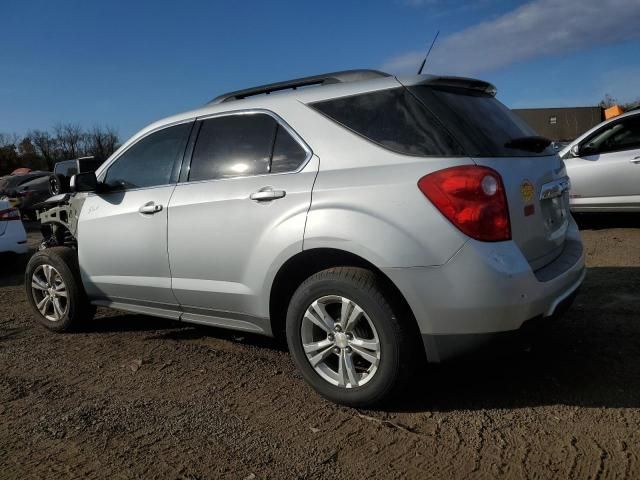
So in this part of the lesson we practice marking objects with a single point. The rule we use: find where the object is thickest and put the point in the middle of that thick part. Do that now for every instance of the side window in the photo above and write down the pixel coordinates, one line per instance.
(288, 154)
(151, 161)
(624, 135)
(71, 170)
(394, 119)
(233, 146)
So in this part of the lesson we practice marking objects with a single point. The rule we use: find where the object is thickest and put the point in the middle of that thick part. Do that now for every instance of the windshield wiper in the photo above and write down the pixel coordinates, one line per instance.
(533, 143)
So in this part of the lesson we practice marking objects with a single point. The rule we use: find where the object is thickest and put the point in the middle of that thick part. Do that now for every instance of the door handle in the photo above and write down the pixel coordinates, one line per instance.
(267, 194)
(635, 159)
(150, 208)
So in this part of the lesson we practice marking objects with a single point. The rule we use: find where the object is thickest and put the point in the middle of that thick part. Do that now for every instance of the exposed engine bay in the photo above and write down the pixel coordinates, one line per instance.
(58, 216)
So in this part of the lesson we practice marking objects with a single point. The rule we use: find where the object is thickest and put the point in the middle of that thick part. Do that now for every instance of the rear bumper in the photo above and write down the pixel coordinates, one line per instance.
(14, 238)
(485, 290)
(447, 347)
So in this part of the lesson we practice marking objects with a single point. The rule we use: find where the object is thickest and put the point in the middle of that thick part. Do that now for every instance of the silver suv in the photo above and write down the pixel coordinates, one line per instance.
(368, 218)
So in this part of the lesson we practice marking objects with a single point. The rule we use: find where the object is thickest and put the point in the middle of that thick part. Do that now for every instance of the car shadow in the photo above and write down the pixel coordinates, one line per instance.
(165, 329)
(601, 221)
(589, 358)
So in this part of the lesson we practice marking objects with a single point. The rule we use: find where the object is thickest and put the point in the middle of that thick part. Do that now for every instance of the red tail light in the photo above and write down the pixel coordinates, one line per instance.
(472, 198)
(9, 214)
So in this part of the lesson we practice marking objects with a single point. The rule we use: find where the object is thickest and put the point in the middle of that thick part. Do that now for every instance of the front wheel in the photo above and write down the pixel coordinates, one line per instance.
(346, 338)
(54, 289)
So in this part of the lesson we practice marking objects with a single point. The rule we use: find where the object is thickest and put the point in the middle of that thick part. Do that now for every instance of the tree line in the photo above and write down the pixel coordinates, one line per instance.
(42, 149)
(609, 101)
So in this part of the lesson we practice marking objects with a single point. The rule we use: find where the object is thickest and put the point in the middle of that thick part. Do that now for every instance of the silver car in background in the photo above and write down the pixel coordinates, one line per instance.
(604, 166)
(369, 219)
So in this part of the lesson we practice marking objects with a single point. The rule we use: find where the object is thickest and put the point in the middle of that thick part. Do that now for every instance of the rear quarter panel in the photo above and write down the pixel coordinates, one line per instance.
(366, 200)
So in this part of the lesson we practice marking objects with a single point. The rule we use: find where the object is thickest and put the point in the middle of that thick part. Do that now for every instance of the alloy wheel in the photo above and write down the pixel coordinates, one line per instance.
(49, 293)
(340, 341)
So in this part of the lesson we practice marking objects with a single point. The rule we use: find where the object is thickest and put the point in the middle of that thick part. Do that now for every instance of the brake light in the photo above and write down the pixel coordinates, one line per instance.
(9, 214)
(472, 198)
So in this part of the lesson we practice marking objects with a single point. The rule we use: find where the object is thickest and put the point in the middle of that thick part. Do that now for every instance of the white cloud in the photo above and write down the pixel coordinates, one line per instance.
(537, 29)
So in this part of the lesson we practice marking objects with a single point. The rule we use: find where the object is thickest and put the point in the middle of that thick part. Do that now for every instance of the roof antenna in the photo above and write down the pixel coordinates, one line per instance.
(427, 55)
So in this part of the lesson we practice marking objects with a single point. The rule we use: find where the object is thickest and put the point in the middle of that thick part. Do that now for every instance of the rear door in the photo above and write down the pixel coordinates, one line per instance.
(242, 205)
(122, 231)
(607, 173)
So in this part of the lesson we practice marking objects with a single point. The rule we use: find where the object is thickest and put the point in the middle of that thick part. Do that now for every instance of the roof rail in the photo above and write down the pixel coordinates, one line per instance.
(324, 79)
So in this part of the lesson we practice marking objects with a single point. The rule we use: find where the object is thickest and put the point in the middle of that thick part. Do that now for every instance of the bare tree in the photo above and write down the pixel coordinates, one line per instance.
(29, 156)
(70, 139)
(9, 159)
(46, 146)
(7, 139)
(610, 101)
(40, 149)
(101, 142)
(607, 101)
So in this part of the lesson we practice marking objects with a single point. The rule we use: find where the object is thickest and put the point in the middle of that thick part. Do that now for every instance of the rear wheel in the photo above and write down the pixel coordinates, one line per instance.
(347, 339)
(54, 289)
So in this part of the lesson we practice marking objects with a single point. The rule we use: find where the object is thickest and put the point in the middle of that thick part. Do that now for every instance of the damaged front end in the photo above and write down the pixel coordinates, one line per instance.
(58, 216)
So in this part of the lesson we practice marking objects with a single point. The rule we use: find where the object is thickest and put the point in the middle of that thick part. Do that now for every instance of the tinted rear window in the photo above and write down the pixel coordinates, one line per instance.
(394, 119)
(481, 123)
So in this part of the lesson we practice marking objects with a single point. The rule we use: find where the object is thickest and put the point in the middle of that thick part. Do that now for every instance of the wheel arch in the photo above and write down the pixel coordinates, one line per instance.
(307, 262)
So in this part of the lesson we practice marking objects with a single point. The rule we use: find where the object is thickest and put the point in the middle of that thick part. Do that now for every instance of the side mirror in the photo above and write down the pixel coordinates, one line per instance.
(84, 182)
(575, 150)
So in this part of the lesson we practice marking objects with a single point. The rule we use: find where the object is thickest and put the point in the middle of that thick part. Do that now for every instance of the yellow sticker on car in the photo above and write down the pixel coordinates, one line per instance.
(527, 191)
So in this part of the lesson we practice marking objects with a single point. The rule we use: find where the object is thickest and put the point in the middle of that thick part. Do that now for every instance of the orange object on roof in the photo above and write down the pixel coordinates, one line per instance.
(21, 171)
(613, 112)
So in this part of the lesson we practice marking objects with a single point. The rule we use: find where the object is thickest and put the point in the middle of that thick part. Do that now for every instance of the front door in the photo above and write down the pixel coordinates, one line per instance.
(607, 173)
(122, 230)
(240, 211)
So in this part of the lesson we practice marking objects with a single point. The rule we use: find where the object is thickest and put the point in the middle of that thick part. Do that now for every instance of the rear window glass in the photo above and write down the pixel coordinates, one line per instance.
(394, 119)
(482, 124)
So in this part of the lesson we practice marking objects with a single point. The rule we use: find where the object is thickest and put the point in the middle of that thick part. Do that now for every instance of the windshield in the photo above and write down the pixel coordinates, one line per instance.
(483, 125)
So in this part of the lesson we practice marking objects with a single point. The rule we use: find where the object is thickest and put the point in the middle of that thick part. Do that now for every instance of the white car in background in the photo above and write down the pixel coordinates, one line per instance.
(13, 237)
(604, 166)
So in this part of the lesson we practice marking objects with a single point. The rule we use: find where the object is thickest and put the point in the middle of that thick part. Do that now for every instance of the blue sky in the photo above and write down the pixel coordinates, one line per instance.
(128, 63)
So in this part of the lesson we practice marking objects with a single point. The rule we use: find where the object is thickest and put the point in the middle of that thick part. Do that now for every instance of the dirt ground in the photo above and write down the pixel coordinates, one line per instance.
(139, 397)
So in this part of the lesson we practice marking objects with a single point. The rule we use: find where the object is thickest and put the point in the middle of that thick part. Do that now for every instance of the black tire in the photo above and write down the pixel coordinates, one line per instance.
(76, 308)
(58, 184)
(397, 337)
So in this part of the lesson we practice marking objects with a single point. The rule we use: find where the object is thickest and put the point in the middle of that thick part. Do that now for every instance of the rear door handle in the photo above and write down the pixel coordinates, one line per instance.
(635, 159)
(150, 208)
(267, 194)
